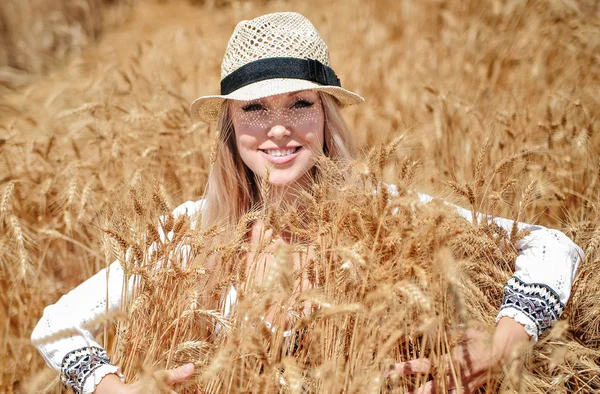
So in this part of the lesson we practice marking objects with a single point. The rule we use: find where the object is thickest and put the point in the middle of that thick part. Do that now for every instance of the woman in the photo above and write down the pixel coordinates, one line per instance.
(277, 112)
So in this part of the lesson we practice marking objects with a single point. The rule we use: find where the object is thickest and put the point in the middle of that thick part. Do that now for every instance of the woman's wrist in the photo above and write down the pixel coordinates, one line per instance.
(111, 383)
(508, 335)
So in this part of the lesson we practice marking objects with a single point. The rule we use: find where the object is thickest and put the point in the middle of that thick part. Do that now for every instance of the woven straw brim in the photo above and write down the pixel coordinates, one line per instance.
(207, 108)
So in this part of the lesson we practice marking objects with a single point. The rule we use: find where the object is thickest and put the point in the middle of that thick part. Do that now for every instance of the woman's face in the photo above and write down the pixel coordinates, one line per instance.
(283, 133)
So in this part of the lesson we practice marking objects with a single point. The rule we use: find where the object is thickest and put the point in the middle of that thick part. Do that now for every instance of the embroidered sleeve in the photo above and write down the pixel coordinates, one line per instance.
(65, 326)
(80, 369)
(536, 301)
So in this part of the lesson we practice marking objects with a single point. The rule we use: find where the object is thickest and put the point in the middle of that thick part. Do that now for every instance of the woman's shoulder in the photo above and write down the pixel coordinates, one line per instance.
(422, 197)
(189, 208)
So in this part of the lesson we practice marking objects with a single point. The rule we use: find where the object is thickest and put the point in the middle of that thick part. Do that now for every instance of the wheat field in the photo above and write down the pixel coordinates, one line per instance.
(493, 105)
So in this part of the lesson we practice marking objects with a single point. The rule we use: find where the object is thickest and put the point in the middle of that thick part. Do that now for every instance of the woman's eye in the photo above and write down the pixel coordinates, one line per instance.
(253, 107)
(302, 104)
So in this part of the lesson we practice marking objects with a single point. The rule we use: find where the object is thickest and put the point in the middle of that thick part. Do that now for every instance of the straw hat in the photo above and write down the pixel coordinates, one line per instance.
(273, 54)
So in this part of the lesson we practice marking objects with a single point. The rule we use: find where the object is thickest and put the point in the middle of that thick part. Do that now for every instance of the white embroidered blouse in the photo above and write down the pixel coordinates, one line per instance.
(534, 296)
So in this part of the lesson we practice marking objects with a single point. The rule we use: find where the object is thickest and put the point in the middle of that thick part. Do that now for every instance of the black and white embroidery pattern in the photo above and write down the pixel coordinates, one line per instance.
(536, 300)
(79, 364)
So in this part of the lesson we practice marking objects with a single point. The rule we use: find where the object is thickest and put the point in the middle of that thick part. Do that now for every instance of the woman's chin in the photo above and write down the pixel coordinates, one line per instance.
(284, 179)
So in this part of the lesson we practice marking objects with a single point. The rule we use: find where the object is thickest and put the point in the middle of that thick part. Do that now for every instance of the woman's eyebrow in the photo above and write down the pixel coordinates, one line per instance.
(255, 101)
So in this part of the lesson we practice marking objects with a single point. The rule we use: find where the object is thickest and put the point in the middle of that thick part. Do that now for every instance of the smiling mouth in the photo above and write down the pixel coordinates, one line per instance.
(281, 152)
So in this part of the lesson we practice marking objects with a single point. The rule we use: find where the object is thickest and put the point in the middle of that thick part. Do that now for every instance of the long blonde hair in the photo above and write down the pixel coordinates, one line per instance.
(232, 189)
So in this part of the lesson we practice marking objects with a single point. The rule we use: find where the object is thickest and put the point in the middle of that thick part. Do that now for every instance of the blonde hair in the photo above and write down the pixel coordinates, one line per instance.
(232, 189)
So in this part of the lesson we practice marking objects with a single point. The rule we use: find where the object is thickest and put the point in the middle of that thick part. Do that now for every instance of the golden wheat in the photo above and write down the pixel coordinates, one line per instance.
(487, 104)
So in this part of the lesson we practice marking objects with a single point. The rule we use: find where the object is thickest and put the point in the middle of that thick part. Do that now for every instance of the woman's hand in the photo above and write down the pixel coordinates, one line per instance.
(112, 383)
(475, 358)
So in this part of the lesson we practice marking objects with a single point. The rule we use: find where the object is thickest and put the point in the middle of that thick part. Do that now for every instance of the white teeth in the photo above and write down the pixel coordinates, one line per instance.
(278, 153)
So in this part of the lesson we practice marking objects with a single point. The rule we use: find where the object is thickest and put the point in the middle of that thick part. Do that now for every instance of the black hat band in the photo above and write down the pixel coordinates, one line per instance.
(279, 67)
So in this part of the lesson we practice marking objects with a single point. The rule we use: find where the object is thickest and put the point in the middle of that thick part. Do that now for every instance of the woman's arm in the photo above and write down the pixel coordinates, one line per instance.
(534, 299)
(539, 289)
(545, 269)
(65, 334)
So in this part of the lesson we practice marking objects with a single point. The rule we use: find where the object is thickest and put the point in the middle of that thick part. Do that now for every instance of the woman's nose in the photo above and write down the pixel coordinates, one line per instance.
(278, 132)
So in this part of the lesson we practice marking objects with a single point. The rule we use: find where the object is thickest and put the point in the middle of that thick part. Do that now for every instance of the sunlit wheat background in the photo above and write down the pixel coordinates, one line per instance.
(493, 105)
